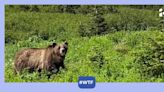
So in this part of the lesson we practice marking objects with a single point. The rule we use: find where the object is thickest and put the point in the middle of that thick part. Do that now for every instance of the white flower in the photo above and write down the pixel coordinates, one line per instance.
(160, 10)
(161, 14)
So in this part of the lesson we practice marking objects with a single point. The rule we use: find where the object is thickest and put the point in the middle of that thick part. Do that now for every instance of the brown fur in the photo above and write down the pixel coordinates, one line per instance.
(48, 59)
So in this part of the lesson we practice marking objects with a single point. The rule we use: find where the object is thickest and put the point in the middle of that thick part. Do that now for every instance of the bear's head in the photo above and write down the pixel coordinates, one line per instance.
(60, 49)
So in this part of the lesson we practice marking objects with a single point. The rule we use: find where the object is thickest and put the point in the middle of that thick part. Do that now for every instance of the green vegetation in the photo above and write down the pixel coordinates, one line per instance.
(128, 45)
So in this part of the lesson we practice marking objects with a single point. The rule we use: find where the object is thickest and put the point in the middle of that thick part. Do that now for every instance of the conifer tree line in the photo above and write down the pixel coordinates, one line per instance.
(76, 9)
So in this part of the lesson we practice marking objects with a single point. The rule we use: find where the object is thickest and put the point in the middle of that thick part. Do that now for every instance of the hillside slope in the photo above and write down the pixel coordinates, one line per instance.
(110, 58)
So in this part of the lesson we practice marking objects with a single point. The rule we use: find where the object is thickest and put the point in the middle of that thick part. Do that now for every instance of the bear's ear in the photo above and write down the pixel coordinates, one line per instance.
(65, 42)
(54, 44)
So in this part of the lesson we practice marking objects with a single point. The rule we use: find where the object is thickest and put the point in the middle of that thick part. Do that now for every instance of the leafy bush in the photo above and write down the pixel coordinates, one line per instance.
(60, 34)
(122, 48)
(98, 58)
(84, 30)
(22, 25)
(132, 20)
(151, 60)
(13, 37)
(96, 26)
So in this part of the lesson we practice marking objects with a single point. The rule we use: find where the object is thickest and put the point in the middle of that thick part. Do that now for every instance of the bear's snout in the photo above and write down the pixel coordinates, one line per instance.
(62, 51)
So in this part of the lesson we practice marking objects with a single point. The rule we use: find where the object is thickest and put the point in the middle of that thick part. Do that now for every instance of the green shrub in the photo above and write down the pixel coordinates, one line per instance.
(121, 48)
(60, 34)
(84, 30)
(97, 26)
(132, 20)
(14, 37)
(22, 25)
(151, 60)
(97, 58)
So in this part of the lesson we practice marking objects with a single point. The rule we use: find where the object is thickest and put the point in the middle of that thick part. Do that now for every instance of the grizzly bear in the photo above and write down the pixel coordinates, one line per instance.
(37, 59)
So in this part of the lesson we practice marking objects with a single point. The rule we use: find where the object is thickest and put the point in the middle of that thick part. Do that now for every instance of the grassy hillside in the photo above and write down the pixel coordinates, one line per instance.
(46, 25)
(119, 56)
(116, 51)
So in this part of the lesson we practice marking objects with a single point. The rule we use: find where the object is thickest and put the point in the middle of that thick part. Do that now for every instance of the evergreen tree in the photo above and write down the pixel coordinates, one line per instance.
(99, 26)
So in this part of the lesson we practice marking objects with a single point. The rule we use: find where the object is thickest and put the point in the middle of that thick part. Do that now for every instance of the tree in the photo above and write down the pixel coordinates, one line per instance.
(97, 26)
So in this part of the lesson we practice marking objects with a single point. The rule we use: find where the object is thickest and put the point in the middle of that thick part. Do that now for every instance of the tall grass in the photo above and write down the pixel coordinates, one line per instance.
(117, 66)
(112, 57)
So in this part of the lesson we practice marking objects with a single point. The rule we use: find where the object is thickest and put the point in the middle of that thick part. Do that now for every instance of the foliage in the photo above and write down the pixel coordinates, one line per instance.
(96, 26)
(151, 60)
(22, 25)
(97, 58)
(132, 20)
(72, 9)
(130, 49)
